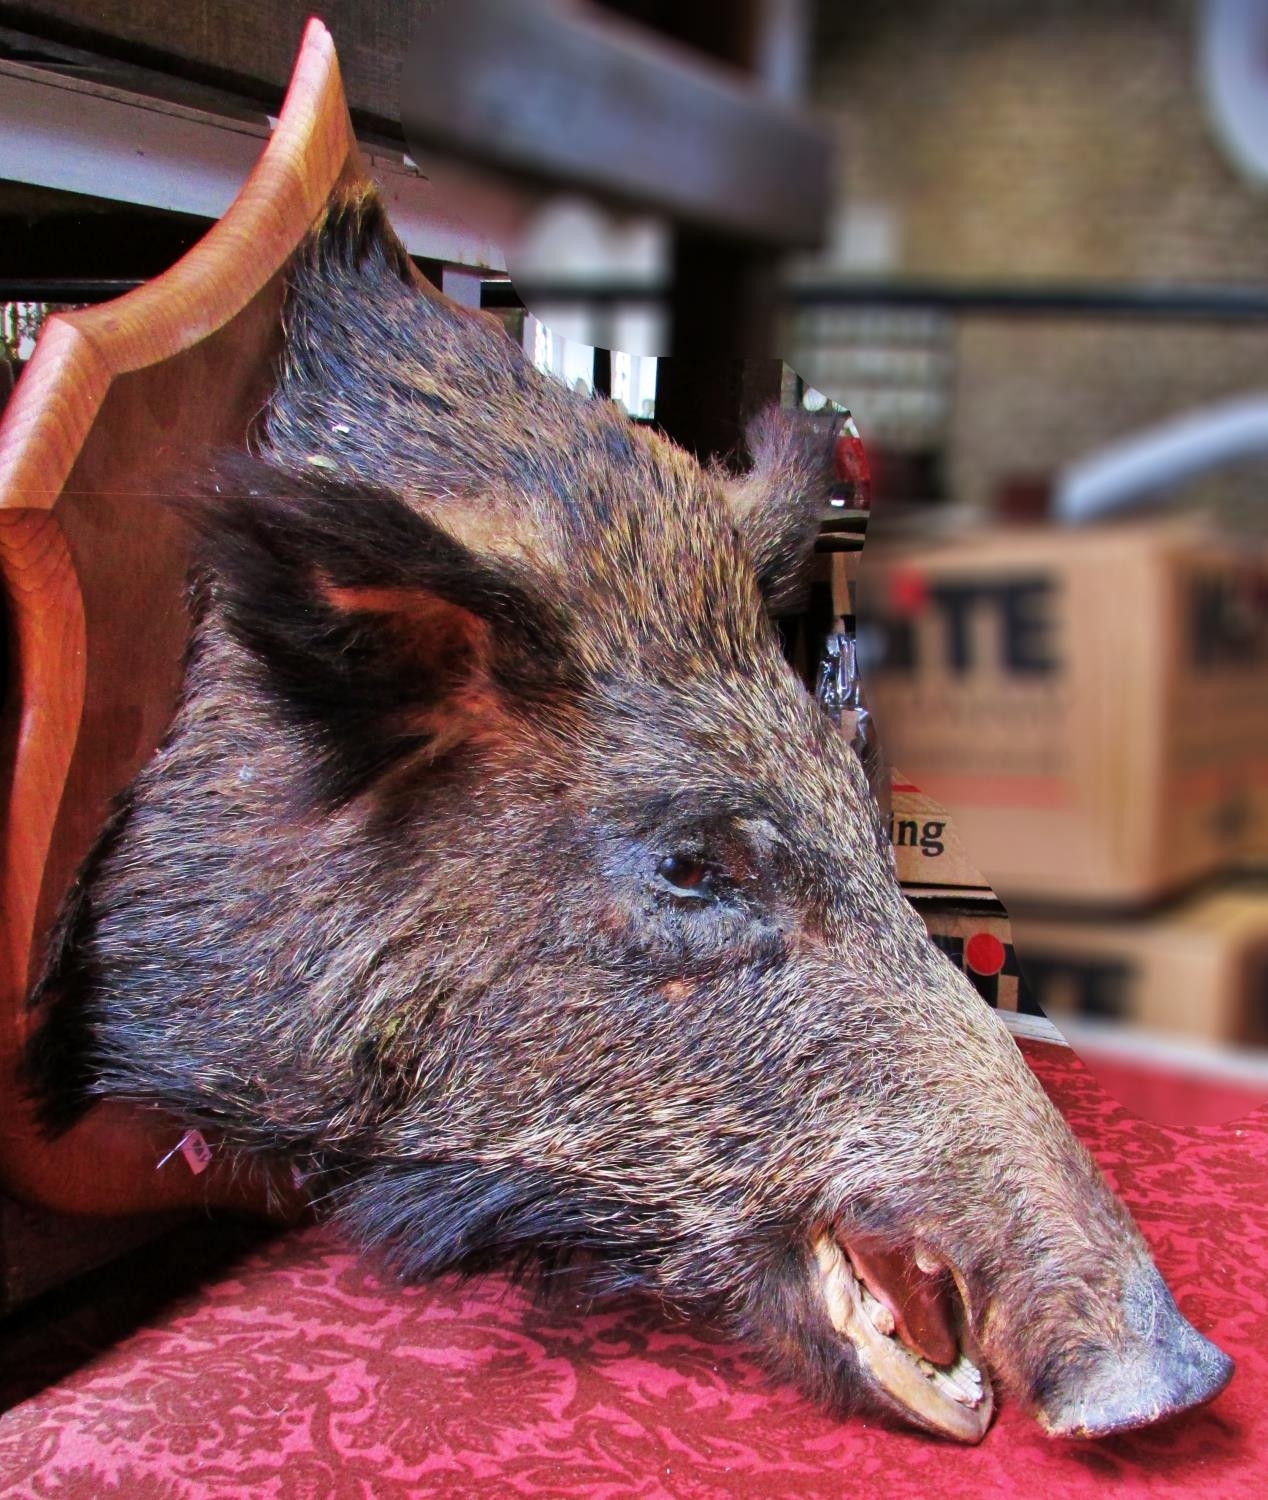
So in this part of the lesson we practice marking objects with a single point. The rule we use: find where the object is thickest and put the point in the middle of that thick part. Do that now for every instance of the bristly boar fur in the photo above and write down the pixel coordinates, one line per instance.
(498, 871)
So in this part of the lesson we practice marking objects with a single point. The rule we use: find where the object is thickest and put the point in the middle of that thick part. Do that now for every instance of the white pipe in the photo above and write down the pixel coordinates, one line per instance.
(1161, 458)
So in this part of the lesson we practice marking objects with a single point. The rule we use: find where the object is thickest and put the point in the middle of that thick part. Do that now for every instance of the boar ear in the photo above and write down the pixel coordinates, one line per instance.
(379, 634)
(777, 506)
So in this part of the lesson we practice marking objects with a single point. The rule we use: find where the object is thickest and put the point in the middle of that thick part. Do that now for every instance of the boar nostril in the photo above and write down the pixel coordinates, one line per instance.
(1166, 1368)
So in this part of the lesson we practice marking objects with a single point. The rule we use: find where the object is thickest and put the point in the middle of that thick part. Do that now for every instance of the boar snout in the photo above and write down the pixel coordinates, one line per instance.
(1163, 1367)
(990, 1254)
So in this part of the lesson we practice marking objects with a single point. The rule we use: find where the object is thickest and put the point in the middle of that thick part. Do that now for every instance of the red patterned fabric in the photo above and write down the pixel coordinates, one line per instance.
(296, 1372)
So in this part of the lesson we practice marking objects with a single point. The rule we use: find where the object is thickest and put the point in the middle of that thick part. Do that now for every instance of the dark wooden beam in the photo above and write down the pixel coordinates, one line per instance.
(570, 97)
(247, 49)
(602, 372)
(567, 95)
(705, 403)
(46, 234)
(767, 38)
(1035, 299)
(724, 296)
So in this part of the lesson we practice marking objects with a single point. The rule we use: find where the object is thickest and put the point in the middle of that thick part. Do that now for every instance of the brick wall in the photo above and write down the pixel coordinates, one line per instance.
(1059, 139)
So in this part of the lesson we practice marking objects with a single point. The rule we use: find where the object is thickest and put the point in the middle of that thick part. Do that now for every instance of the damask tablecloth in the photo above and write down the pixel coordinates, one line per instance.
(289, 1370)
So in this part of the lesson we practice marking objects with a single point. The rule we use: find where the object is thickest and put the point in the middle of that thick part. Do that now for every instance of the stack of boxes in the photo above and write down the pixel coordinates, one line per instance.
(1094, 705)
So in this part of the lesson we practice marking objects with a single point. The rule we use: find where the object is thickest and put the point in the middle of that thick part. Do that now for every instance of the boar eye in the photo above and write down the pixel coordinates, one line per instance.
(688, 875)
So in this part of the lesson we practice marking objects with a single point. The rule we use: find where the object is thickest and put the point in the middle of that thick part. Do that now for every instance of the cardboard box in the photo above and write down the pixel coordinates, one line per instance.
(975, 933)
(1196, 972)
(926, 844)
(1091, 705)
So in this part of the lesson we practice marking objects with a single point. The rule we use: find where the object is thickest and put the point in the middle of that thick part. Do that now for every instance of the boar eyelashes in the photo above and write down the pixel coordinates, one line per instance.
(378, 634)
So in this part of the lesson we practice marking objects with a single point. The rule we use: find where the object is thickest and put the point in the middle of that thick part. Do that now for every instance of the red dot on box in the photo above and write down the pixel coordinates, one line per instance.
(984, 953)
(908, 592)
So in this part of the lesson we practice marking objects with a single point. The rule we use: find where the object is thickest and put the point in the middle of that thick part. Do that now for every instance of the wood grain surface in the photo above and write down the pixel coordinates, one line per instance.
(117, 401)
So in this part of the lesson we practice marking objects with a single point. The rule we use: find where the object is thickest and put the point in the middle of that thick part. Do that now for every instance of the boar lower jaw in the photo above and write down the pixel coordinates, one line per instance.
(954, 1400)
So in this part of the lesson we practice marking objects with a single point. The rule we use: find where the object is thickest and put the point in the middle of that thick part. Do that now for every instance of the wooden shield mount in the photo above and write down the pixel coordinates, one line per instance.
(92, 572)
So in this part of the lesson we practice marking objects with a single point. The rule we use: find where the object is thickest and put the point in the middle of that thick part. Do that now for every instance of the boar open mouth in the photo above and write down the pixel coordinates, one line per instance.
(910, 1330)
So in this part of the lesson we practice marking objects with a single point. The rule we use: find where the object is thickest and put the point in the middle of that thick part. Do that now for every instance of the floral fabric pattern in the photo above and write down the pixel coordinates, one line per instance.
(294, 1371)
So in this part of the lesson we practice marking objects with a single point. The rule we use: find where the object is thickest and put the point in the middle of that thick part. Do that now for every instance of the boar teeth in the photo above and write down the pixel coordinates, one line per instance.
(880, 1315)
(956, 1400)
(966, 1382)
(961, 1381)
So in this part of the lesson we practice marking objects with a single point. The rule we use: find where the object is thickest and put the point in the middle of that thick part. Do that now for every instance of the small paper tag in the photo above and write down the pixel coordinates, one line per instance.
(194, 1148)
(196, 1151)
